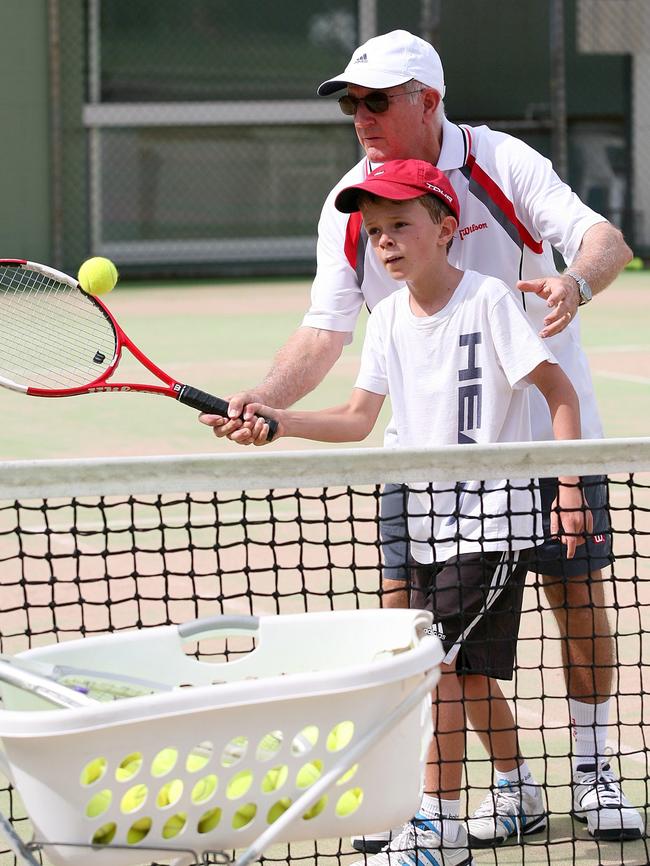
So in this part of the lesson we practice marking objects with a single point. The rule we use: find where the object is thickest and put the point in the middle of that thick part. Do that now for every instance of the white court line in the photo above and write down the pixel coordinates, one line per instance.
(623, 377)
(605, 350)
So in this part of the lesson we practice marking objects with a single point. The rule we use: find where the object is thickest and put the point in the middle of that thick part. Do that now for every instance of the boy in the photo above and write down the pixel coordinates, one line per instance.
(456, 354)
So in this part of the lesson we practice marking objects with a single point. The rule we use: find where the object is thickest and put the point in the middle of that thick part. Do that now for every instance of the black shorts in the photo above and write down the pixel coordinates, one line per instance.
(476, 603)
(596, 553)
(548, 558)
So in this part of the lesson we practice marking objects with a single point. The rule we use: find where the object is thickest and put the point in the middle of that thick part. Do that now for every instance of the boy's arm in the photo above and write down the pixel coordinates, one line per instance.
(570, 517)
(351, 422)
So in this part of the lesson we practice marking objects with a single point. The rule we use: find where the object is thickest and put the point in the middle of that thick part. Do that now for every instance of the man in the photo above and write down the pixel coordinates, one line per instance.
(514, 210)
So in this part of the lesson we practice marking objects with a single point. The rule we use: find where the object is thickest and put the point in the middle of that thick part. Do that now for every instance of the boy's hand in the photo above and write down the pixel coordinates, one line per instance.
(571, 518)
(255, 430)
(250, 431)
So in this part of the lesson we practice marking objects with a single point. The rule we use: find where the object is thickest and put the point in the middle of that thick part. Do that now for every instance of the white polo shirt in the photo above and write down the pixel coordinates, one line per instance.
(459, 377)
(513, 210)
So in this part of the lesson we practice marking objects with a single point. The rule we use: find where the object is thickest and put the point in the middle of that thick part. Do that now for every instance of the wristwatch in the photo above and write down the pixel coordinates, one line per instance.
(584, 289)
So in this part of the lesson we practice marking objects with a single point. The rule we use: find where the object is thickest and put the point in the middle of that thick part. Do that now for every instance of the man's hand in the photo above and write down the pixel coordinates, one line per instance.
(561, 295)
(571, 518)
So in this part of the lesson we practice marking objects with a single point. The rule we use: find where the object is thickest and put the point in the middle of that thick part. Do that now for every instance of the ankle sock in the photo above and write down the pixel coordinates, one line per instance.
(521, 775)
(446, 811)
(589, 724)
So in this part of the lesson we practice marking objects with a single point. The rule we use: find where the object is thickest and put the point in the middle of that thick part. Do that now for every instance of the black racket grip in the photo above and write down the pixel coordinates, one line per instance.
(214, 406)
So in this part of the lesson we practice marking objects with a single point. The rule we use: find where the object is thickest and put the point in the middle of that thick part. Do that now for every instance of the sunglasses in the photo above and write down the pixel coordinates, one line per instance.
(376, 102)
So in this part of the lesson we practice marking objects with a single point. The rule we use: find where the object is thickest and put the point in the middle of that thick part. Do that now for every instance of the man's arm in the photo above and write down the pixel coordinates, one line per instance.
(570, 516)
(299, 367)
(601, 256)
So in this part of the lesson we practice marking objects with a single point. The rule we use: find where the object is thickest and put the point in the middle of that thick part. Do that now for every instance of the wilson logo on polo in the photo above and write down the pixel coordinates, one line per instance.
(468, 230)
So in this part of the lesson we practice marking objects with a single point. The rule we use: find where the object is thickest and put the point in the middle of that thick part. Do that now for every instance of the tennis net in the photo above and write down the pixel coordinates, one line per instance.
(94, 546)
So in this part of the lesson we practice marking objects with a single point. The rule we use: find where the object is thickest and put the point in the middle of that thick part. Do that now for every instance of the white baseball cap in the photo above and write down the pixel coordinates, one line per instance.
(389, 60)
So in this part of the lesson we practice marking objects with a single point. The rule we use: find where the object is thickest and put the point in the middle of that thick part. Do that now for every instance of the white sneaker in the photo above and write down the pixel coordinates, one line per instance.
(420, 843)
(508, 810)
(372, 843)
(599, 802)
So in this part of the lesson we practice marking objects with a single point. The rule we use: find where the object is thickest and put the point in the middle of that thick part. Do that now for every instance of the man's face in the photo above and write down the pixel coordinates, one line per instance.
(399, 132)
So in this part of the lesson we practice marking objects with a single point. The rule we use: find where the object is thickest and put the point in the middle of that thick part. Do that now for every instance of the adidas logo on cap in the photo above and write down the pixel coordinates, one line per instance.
(362, 58)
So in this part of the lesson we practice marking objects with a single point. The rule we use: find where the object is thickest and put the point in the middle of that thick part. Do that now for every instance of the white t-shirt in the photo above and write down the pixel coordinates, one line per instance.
(513, 210)
(459, 376)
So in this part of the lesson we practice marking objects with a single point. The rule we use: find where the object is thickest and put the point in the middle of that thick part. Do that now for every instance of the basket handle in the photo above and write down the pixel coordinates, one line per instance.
(219, 623)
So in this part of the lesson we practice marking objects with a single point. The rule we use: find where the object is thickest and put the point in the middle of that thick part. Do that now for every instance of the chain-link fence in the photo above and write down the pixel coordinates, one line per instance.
(186, 135)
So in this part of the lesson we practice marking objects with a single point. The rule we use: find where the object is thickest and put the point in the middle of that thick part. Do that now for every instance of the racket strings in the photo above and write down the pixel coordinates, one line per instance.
(51, 335)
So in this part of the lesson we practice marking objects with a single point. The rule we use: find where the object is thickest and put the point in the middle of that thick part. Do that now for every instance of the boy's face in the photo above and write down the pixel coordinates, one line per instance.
(405, 238)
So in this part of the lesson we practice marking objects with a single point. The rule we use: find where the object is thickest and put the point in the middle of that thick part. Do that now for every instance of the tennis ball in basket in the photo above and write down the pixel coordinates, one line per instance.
(239, 784)
(244, 815)
(339, 736)
(97, 276)
(93, 771)
(138, 830)
(99, 803)
(309, 774)
(129, 767)
(349, 802)
(174, 825)
(278, 809)
(209, 820)
(134, 798)
(170, 793)
(275, 778)
(164, 762)
(204, 789)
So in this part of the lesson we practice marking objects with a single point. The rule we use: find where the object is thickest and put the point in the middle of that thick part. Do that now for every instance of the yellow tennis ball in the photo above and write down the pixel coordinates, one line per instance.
(97, 276)
(99, 803)
(170, 793)
(93, 770)
(128, 767)
(204, 789)
(277, 809)
(164, 761)
(635, 265)
(275, 778)
(174, 825)
(138, 830)
(339, 737)
(244, 815)
(349, 802)
(105, 834)
(309, 774)
(209, 820)
(134, 798)
(239, 784)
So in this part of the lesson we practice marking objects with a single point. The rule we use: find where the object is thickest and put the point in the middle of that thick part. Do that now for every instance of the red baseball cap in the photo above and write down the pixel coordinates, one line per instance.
(401, 180)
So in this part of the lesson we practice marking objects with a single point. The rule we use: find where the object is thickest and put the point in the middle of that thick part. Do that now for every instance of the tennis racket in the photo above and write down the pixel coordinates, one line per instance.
(58, 341)
(70, 686)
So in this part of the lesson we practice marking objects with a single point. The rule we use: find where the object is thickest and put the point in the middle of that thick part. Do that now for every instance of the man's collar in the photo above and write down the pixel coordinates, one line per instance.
(452, 152)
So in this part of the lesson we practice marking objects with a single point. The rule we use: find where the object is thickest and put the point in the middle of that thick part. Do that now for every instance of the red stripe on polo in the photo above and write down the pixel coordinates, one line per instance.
(352, 235)
(503, 203)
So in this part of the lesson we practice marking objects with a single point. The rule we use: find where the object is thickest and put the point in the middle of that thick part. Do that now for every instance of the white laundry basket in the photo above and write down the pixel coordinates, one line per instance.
(321, 730)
